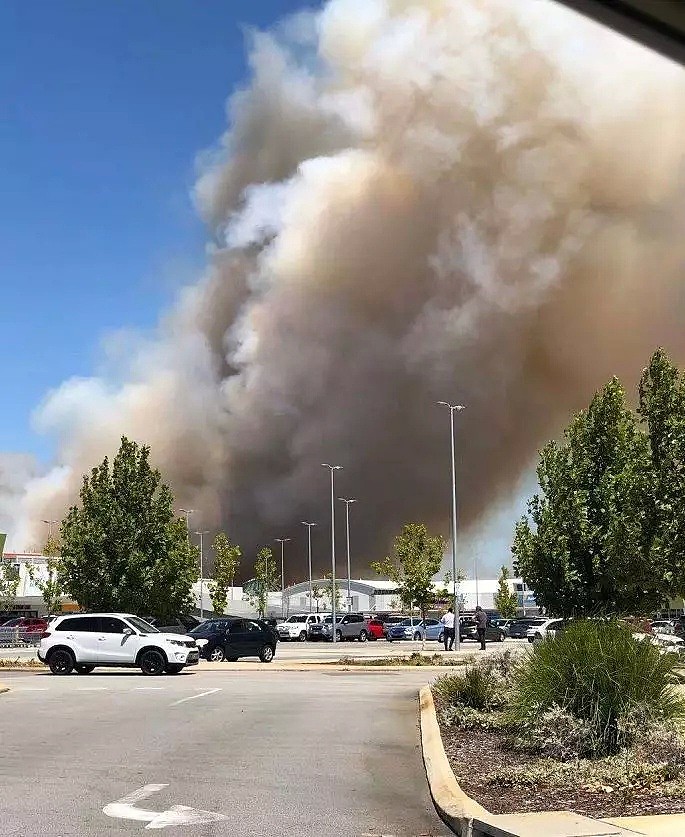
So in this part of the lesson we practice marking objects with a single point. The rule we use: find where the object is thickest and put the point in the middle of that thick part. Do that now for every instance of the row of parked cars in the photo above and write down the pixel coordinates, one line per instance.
(365, 628)
(82, 641)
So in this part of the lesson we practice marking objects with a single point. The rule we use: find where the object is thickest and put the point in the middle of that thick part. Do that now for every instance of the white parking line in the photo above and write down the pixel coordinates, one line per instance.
(148, 688)
(192, 697)
(32, 689)
(93, 689)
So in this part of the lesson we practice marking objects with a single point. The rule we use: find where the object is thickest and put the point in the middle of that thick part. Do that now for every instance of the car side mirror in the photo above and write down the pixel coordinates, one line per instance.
(128, 632)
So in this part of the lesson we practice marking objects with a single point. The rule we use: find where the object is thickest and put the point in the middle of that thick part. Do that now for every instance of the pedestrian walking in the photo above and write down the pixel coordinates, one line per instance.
(447, 622)
(481, 625)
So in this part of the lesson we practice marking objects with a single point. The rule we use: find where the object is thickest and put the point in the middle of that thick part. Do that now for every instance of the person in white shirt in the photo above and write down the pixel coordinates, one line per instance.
(448, 632)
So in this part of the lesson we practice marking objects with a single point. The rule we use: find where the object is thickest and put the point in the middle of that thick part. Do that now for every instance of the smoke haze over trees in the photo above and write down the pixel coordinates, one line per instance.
(474, 201)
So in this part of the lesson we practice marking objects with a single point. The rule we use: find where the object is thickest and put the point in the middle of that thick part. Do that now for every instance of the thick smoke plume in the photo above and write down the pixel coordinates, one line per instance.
(472, 200)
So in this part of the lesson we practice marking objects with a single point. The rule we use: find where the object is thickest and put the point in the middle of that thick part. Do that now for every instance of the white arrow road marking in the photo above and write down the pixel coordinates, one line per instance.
(125, 809)
(193, 697)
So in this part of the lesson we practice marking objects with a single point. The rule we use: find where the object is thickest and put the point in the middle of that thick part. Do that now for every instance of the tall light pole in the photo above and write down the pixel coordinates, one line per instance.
(309, 553)
(282, 541)
(50, 524)
(202, 573)
(332, 469)
(454, 408)
(347, 502)
(187, 513)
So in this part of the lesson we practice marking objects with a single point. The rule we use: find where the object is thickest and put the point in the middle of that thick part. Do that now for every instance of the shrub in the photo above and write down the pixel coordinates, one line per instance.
(598, 673)
(554, 733)
(483, 685)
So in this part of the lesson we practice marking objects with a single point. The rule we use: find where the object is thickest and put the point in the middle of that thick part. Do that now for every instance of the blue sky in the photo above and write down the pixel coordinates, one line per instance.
(105, 107)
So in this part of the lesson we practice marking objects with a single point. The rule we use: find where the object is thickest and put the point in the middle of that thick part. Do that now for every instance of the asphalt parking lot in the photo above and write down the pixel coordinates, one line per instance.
(239, 753)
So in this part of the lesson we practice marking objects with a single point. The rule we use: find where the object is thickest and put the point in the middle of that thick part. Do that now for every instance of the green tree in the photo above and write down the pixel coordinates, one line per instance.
(9, 584)
(318, 594)
(266, 579)
(662, 409)
(226, 562)
(122, 547)
(416, 560)
(581, 546)
(506, 601)
(327, 591)
(50, 585)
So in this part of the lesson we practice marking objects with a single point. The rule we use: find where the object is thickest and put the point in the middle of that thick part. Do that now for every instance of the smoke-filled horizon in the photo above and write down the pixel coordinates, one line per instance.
(478, 202)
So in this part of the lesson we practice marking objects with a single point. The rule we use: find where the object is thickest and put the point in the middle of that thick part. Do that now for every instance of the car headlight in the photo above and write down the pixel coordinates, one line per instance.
(176, 642)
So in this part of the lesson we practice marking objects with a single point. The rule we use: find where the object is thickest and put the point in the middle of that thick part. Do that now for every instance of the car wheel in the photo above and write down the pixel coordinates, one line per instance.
(417, 637)
(363, 636)
(303, 636)
(500, 637)
(216, 655)
(174, 669)
(152, 662)
(61, 662)
(441, 638)
(338, 636)
(266, 655)
(84, 669)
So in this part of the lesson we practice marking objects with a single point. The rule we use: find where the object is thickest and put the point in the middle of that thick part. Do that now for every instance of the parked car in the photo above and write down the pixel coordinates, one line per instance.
(376, 629)
(503, 624)
(519, 628)
(179, 624)
(469, 630)
(390, 620)
(233, 638)
(84, 641)
(550, 627)
(22, 629)
(347, 626)
(296, 627)
(666, 643)
(415, 628)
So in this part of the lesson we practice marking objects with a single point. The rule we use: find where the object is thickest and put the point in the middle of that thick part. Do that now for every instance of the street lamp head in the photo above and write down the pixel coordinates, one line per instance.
(306, 523)
(203, 532)
(281, 540)
(332, 467)
(346, 500)
(457, 407)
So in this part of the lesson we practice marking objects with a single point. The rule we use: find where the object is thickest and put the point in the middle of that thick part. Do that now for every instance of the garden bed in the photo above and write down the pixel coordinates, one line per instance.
(507, 782)
(590, 721)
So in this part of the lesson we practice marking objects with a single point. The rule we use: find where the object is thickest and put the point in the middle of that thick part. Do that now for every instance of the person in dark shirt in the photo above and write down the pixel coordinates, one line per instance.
(481, 618)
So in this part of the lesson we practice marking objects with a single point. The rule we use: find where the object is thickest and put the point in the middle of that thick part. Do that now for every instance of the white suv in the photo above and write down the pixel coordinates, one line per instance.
(297, 626)
(83, 641)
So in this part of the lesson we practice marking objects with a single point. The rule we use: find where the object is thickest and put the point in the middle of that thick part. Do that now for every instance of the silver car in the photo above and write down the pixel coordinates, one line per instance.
(347, 626)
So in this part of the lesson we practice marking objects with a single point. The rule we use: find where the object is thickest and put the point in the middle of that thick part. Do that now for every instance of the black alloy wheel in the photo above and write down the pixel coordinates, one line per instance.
(152, 662)
(61, 662)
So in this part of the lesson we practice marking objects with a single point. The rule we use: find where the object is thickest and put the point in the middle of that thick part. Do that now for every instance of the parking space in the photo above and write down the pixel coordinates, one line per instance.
(329, 753)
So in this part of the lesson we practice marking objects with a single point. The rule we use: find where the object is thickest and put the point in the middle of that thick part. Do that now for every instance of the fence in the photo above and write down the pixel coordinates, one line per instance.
(15, 637)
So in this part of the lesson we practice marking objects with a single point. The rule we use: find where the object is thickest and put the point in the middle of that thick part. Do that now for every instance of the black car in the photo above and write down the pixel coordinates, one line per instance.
(230, 639)
(469, 630)
(518, 629)
(181, 624)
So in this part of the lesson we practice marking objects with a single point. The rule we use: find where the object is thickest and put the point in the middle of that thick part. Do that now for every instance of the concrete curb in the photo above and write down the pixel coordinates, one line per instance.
(465, 817)
(225, 668)
(454, 807)
(3, 688)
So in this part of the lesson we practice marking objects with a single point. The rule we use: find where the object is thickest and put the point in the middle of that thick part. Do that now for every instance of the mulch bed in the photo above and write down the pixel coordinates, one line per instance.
(475, 755)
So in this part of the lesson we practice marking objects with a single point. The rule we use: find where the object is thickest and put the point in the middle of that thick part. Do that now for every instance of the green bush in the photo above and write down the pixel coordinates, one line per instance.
(484, 685)
(598, 673)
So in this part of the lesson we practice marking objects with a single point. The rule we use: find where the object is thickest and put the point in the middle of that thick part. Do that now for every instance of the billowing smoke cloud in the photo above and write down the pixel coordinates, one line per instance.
(415, 200)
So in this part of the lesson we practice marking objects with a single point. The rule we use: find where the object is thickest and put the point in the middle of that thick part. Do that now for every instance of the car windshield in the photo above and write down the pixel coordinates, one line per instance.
(297, 619)
(329, 619)
(141, 625)
(208, 628)
(408, 623)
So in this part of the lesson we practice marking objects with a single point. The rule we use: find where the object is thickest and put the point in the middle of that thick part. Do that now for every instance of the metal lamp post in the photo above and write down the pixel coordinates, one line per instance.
(452, 408)
(332, 469)
(50, 524)
(282, 541)
(347, 502)
(202, 572)
(187, 513)
(309, 553)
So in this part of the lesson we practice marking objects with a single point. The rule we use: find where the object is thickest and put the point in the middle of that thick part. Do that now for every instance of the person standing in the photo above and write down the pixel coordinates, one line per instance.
(447, 622)
(481, 625)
